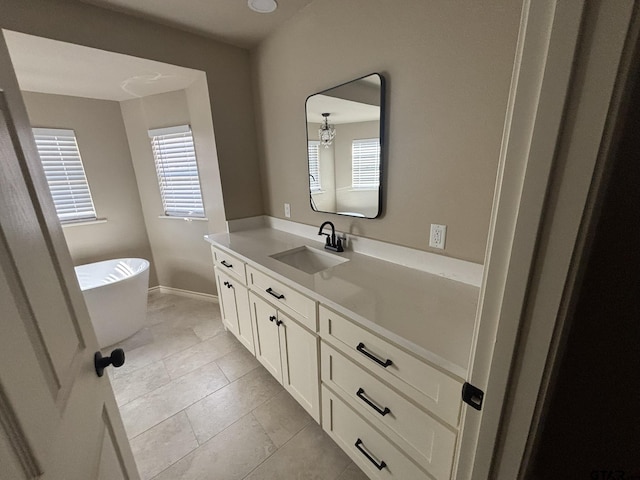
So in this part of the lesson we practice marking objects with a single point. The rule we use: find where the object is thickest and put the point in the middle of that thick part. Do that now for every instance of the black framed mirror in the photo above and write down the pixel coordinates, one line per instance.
(345, 133)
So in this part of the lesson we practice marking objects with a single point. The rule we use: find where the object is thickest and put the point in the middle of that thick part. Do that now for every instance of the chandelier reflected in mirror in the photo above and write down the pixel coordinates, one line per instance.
(327, 132)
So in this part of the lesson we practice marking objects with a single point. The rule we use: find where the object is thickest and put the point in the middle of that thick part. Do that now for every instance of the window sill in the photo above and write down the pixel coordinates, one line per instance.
(184, 219)
(79, 223)
(363, 189)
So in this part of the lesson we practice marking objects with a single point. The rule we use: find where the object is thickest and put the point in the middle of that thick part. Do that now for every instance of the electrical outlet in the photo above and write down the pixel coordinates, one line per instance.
(437, 236)
(287, 210)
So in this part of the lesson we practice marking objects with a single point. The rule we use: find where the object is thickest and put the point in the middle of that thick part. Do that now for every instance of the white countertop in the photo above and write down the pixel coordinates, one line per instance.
(429, 315)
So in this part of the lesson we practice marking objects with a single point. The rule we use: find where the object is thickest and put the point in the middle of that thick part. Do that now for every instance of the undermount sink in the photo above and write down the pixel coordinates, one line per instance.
(309, 260)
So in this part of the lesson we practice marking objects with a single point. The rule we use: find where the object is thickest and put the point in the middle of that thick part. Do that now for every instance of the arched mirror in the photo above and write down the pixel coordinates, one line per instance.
(345, 126)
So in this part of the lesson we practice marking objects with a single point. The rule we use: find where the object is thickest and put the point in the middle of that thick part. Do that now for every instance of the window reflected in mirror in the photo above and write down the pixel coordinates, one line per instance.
(344, 148)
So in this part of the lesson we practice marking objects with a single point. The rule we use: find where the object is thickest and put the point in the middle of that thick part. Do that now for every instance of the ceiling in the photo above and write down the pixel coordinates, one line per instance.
(340, 110)
(230, 21)
(50, 66)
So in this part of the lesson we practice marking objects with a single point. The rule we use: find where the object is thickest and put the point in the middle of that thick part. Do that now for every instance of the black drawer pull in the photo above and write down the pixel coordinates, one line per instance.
(228, 285)
(360, 394)
(272, 318)
(228, 265)
(379, 466)
(361, 349)
(279, 296)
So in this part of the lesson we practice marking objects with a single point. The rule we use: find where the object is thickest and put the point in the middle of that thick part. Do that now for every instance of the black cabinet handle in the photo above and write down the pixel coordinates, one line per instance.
(274, 294)
(228, 265)
(379, 466)
(361, 349)
(227, 284)
(279, 322)
(360, 394)
(272, 318)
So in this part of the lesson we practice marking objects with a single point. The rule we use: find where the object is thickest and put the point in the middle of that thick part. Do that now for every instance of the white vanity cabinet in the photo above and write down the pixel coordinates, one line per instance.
(380, 364)
(275, 323)
(233, 297)
(289, 351)
(406, 409)
(234, 308)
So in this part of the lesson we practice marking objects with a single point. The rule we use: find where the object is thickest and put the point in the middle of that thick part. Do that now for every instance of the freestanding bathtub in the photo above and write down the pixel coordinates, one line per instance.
(115, 292)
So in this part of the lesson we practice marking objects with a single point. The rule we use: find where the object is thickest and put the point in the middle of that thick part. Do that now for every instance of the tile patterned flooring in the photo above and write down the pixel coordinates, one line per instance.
(197, 405)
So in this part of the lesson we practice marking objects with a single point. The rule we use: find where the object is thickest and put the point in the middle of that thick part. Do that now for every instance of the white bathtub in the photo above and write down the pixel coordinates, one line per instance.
(115, 292)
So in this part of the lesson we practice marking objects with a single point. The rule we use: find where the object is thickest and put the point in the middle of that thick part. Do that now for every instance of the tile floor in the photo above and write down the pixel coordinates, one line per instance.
(197, 405)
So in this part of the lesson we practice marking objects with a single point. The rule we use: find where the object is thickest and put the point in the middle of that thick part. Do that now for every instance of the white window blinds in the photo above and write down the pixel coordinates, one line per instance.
(314, 165)
(175, 158)
(365, 154)
(65, 175)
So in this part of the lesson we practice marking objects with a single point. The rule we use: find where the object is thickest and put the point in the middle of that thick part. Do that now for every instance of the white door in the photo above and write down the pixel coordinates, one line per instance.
(58, 419)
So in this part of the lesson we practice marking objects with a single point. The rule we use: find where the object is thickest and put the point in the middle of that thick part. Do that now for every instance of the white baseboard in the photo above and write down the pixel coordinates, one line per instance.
(207, 297)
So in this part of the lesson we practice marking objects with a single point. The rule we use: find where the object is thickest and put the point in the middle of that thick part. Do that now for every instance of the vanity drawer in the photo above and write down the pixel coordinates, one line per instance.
(425, 439)
(373, 453)
(229, 264)
(435, 390)
(287, 299)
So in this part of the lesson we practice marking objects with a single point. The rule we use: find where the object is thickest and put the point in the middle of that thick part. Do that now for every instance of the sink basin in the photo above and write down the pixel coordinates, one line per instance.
(309, 260)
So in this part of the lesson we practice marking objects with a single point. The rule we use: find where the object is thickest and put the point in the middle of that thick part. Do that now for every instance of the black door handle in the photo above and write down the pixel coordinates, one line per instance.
(361, 348)
(100, 363)
(226, 264)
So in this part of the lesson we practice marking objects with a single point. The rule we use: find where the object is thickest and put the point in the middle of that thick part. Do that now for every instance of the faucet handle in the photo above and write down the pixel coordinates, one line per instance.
(339, 245)
(328, 239)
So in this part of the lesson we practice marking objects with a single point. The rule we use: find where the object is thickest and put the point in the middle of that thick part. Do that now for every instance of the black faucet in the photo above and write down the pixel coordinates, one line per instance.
(332, 243)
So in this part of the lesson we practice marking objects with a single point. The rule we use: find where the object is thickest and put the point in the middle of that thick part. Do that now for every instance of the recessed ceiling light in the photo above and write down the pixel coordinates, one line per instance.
(263, 6)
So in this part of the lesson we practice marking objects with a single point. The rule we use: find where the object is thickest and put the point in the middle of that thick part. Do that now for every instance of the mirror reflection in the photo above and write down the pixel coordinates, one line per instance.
(344, 139)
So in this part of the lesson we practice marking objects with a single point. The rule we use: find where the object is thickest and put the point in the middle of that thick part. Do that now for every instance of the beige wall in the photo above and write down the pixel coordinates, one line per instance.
(448, 68)
(183, 258)
(227, 71)
(104, 149)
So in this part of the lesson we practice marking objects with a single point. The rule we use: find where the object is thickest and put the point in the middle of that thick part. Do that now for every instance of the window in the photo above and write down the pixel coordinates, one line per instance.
(365, 172)
(65, 175)
(314, 165)
(177, 170)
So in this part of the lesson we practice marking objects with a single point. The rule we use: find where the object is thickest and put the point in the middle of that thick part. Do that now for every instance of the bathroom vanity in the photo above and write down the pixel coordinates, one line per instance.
(375, 351)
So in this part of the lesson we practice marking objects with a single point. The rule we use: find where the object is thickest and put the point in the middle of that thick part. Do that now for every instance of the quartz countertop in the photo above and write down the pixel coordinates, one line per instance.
(429, 315)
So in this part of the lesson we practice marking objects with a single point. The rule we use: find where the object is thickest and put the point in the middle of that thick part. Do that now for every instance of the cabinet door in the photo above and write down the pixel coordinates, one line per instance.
(265, 329)
(227, 299)
(243, 309)
(235, 309)
(300, 376)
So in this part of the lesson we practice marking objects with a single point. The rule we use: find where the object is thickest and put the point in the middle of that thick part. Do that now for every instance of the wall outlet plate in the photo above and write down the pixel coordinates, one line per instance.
(437, 236)
(287, 210)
